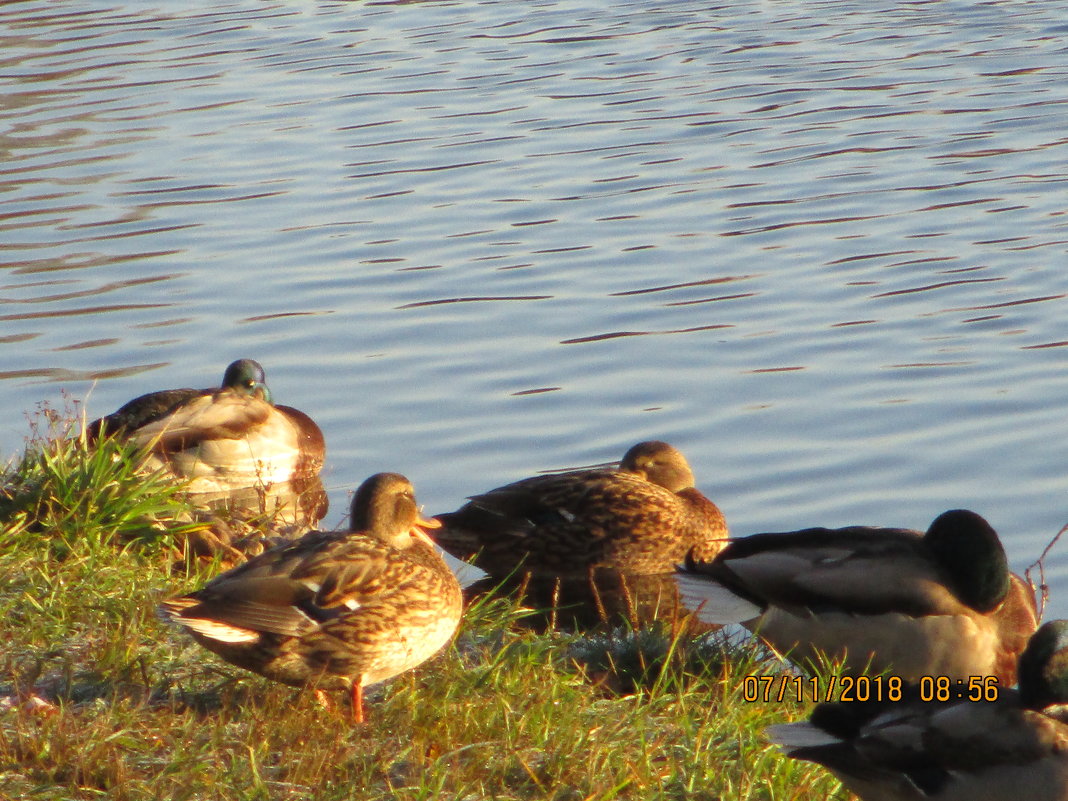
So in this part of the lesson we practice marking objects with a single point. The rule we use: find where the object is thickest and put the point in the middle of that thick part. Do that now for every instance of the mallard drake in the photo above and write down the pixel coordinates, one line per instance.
(220, 439)
(937, 604)
(960, 750)
(641, 519)
(334, 609)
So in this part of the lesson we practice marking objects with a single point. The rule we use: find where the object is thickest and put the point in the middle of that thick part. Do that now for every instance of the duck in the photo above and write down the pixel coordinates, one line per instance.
(334, 610)
(641, 519)
(940, 603)
(1011, 746)
(219, 439)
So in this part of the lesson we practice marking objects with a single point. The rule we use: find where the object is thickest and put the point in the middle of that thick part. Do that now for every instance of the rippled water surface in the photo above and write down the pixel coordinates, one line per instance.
(819, 246)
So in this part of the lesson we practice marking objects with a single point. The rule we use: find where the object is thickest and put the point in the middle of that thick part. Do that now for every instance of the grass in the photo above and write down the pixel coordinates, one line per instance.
(87, 550)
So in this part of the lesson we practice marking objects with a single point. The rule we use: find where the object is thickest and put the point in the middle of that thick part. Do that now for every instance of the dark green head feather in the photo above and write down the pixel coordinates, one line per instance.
(1043, 674)
(968, 549)
(246, 377)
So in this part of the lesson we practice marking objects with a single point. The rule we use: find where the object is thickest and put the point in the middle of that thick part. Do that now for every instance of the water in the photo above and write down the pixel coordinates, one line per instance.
(818, 246)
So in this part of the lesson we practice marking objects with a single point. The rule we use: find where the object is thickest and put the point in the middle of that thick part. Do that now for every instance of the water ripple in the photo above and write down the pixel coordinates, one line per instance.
(818, 245)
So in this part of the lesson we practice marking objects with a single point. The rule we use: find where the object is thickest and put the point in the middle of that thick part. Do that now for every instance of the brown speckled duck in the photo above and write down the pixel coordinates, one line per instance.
(1008, 745)
(220, 439)
(642, 519)
(337, 609)
(942, 603)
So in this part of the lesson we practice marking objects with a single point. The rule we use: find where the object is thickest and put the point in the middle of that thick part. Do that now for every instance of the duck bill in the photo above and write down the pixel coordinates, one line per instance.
(421, 524)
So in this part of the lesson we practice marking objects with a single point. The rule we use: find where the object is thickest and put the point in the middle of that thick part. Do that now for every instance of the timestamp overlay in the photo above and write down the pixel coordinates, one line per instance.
(846, 689)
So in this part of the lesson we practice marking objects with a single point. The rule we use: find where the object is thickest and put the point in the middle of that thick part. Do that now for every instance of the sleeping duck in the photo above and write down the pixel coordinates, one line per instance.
(937, 604)
(220, 439)
(642, 518)
(335, 609)
(1015, 747)
(592, 546)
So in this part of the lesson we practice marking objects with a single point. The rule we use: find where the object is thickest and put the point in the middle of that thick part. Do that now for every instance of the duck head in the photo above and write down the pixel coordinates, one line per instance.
(246, 377)
(660, 464)
(384, 507)
(1043, 673)
(968, 549)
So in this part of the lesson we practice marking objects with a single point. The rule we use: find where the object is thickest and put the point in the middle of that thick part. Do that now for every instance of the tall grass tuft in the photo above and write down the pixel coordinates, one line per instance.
(78, 496)
(100, 699)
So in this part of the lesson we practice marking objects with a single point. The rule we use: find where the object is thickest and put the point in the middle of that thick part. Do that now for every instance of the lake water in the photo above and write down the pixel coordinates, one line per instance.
(818, 246)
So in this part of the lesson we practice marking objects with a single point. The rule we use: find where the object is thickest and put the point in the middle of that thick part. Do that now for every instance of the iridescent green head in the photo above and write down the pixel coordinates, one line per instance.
(968, 549)
(246, 377)
(1044, 667)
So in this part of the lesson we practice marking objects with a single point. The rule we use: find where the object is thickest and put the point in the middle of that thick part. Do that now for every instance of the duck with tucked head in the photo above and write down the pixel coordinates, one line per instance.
(590, 546)
(937, 604)
(336, 609)
(959, 750)
(642, 518)
(220, 439)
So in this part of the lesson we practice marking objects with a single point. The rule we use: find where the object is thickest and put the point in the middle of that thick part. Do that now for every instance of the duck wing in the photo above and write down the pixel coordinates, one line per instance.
(142, 411)
(562, 522)
(952, 750)
(218, 415)
(294, 590)
(858, 570)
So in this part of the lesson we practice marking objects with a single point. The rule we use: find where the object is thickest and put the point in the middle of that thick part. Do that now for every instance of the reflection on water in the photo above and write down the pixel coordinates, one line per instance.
(815, 245)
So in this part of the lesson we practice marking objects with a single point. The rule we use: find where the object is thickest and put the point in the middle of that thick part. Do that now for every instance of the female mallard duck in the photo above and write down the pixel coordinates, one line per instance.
(937, 604)
(335, 609)
(641, 519)
(960, 750)
(220, 439)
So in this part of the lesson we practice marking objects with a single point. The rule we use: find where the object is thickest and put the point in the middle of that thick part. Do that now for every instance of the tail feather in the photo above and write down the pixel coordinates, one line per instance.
(799, 735)
(712, 602)
(173, 611)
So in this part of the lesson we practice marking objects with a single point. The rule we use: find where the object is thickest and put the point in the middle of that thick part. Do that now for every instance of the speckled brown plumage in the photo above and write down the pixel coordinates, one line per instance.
(220, 439)
(334, 610)
(641, 519)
